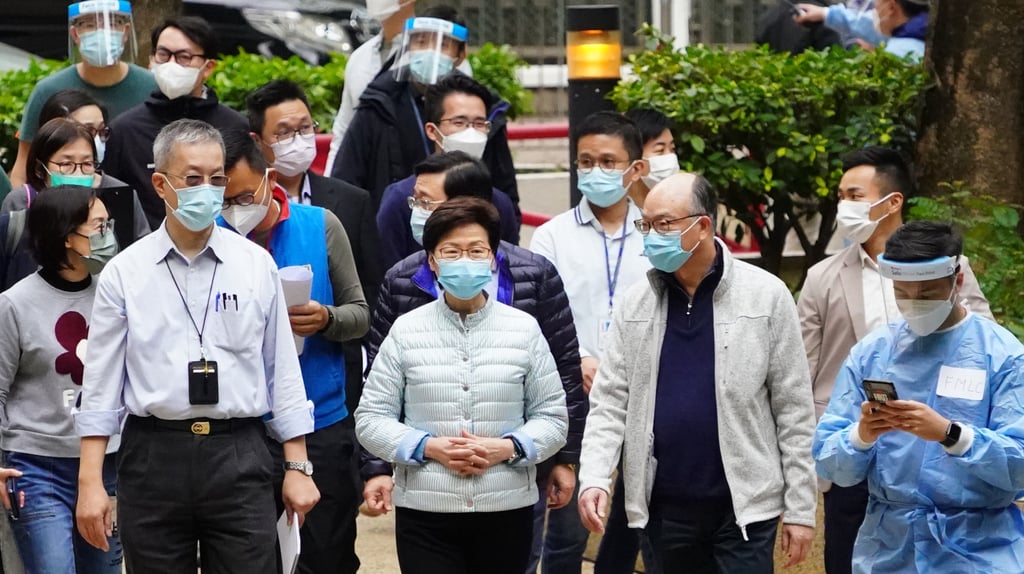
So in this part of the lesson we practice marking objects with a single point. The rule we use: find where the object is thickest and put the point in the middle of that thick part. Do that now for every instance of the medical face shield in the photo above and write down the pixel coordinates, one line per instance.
(923, 316)
(105, 31)
(917, 270)
(431, 48)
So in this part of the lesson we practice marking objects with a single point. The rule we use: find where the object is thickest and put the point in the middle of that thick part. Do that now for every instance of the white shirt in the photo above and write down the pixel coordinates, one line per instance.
(576, 244)
(305, 196)
(879, 298)
(141, 338)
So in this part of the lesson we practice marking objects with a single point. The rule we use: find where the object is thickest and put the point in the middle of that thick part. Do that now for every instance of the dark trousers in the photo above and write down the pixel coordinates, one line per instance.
(176, 489)
(464, 543)
(844, 513)
(620, 543)
(329, 532)
(705, 541)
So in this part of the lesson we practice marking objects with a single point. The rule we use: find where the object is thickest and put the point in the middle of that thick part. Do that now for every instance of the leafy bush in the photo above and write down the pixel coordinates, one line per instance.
(237, 76)
(495, 67)
(996, 251)
(795, 115)
(17, 86)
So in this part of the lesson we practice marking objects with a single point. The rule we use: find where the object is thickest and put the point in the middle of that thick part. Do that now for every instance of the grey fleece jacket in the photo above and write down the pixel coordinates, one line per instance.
(762, 387)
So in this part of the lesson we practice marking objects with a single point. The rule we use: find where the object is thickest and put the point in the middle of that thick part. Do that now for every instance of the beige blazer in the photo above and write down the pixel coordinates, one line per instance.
(831, 311)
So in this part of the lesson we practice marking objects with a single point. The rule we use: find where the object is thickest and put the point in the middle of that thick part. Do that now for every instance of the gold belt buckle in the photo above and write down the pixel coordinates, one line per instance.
(202, 427)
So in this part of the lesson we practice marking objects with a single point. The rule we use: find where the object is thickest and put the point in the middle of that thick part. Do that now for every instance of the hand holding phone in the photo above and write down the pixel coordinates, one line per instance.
(13, 499)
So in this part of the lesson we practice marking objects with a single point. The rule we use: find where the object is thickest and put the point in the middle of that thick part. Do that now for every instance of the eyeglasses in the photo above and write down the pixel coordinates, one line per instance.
(462, 122)
(286, 135)
(450, 253)
(240, 200)
(70, 167)
(101, 132)
(663, 226)
(425, 204)
(87, 24)
(192, 180)
(103, 227)
(182, 57)
(607, 165)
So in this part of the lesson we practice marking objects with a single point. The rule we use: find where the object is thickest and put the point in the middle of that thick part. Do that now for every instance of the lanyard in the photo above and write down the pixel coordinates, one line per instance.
(613, 279)
(419, 124)
(209, 293)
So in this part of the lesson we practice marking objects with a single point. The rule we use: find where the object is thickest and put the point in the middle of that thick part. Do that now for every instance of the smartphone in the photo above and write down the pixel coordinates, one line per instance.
(880, 391)
(14, 513)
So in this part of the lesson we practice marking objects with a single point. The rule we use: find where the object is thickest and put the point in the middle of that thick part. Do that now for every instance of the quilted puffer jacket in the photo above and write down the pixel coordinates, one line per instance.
(438, 374)
(526, 281)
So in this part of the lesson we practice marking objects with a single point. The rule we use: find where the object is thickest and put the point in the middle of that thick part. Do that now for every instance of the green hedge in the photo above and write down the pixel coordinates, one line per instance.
(796, 115)
(236, 76)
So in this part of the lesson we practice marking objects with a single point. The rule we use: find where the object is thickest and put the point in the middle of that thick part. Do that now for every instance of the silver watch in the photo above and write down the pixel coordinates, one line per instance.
(305, 467)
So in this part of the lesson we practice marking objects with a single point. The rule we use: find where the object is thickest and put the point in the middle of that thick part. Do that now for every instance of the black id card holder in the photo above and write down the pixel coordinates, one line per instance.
(202, 383)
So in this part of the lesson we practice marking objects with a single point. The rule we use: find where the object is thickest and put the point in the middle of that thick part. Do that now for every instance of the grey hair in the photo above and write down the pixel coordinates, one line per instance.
(703, 199)
(183, 132)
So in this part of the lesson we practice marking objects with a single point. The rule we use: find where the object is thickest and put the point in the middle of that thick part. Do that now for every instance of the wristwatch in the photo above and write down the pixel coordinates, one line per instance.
(952, 435)
(305, 467)
(517, 453)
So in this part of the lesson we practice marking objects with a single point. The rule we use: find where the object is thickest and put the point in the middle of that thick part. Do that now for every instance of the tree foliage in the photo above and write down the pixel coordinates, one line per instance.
(769, 130)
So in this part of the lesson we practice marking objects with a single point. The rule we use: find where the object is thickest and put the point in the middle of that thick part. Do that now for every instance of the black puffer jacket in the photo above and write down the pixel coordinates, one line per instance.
(536, 289)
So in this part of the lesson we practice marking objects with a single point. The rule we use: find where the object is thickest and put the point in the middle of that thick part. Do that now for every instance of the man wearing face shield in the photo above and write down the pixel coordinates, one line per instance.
(942, 449)
(101, 46)
(387, 137)
(703, 390)
(845, 297)
(182, 58)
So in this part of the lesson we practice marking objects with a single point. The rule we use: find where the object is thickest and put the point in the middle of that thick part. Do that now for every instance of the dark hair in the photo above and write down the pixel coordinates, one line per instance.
(651, 123)
(912, 8)
(54, 214)
(444, 12)
(196, 29)
(65, 102)
(892, 168)
(703, 199)
(454, 83)
(460, 212)
(923, 240)
(269, 95)
(612, 124)
(52, 136)
(464, 175)
(239, 146)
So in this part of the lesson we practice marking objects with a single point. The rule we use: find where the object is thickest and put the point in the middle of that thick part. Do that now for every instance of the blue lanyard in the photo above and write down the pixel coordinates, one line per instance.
(419, 124)
(613, 280)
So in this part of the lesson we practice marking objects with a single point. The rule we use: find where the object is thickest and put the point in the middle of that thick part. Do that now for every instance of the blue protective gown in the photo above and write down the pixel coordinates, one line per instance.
(928, 510)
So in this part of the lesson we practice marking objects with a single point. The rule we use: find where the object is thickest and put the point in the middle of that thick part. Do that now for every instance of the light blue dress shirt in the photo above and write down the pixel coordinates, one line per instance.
(141, 338)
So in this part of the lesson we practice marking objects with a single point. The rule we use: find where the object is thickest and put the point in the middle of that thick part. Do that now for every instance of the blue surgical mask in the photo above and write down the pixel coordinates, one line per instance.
(61, 179)
(464, 278)
(427, 66)
(665, 251)
(417, 221)
(102, 47)
(199, 206)
(600, 188)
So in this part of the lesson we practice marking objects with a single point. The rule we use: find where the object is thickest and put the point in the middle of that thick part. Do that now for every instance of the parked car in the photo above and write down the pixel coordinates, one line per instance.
(308, 28)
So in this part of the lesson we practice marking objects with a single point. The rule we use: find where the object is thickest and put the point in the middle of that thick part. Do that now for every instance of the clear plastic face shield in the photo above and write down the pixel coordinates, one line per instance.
(101, 32)
(431, 48)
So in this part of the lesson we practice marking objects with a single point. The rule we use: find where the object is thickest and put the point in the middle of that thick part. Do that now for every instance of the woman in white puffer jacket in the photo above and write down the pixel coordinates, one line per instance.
(464, 398)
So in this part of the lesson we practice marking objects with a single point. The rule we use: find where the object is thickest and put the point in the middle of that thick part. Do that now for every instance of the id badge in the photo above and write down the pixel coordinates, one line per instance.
(202, 383)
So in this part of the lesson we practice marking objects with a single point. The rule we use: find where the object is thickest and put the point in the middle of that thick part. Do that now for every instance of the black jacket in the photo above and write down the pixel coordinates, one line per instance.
(354, 209)
(386, 140)
(536, 289)
(129, 154)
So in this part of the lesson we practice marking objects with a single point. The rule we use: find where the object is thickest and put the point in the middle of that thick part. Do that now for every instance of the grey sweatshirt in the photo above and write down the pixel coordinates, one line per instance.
(42, 343)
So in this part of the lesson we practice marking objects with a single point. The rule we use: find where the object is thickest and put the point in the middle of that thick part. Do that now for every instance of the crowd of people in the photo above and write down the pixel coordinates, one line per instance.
(503, 402)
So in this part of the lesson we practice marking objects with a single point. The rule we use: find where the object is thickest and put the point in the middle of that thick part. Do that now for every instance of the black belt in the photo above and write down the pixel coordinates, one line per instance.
(195, 426)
